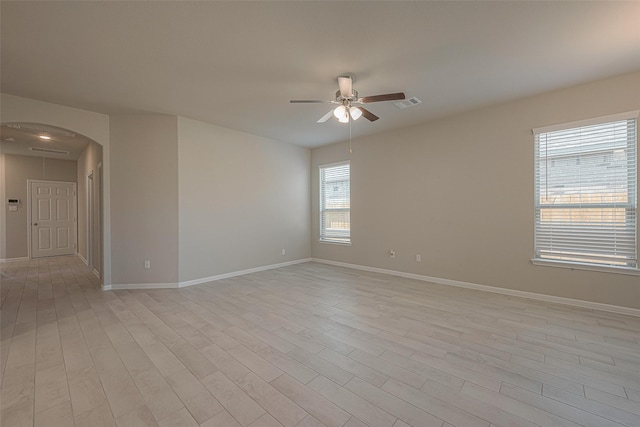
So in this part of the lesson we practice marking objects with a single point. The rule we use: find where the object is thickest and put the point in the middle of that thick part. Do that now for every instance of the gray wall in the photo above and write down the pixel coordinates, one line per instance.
(242, 200)
(199, 200)
(3, 209)
(94, 126)
(144, 198)
(459, 191)
(17, 170)
(88, 162)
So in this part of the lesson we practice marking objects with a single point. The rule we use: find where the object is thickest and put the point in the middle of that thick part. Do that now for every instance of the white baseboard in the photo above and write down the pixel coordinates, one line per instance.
(83, 259)
(241, 272)
(130, 286)
(203, 279)
(24, 258)
(530, 295)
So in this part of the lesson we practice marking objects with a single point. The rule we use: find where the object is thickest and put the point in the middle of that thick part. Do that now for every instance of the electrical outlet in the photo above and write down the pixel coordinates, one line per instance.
(418, 258)
(392, 253)
(147, 263)
(284, 252)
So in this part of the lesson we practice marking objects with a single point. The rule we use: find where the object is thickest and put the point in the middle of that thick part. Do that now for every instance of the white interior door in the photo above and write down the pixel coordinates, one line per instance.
(53, 218)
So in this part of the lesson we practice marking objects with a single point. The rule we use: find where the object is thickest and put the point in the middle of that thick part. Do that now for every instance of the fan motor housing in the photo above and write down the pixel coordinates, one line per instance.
(353, 97)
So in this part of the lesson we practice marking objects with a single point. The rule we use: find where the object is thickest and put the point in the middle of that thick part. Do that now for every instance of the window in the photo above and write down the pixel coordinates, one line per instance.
(335, 204)
(585, 192)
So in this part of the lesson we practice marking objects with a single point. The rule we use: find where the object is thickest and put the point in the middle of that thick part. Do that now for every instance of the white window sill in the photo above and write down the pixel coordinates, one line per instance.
(586, 267)
(335, 242)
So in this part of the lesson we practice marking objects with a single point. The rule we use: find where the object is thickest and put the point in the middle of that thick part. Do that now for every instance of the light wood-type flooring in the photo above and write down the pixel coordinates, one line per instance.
(306, 345)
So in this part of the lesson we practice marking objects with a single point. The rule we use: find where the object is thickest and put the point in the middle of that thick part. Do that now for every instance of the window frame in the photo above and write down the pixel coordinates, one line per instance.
(632, 204)
(345, 241)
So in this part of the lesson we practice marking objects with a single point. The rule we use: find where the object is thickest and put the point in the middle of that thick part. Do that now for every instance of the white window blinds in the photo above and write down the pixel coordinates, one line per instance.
(335, 203)
(585, 193)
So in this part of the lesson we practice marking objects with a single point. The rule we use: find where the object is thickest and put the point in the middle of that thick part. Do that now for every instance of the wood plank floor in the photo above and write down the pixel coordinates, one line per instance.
(306, 345)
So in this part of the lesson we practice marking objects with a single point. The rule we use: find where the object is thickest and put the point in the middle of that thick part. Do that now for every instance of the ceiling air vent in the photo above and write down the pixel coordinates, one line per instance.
(407, 103)
(49, 150)
(39, 128)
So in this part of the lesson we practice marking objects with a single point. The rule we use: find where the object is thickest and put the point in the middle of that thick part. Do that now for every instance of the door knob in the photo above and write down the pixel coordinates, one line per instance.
(35, 223)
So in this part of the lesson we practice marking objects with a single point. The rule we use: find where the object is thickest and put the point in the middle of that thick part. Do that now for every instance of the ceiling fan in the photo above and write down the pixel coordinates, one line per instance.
(349, 104)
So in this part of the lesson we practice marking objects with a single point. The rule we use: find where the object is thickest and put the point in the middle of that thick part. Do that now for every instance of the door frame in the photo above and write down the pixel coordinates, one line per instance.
(29, 219)
(99, 188)
(90, 218)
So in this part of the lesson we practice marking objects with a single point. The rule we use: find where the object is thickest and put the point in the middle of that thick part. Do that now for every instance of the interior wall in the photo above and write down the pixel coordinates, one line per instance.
(242, 199)
(88, 162)
(3, 209)
(459, 191)
(94, 126)
(144, 203)
(17, 170)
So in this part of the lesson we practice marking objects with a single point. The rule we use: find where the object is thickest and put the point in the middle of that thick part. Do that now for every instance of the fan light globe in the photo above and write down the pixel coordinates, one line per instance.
(344, 119)
(355, 113)
(340, 112)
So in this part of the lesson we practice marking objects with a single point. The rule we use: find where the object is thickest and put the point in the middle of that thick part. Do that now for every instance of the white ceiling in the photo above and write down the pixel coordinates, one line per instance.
(237, 64)
(23, 138)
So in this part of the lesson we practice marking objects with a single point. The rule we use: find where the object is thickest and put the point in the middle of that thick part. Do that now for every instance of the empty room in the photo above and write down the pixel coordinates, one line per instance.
(319, 213)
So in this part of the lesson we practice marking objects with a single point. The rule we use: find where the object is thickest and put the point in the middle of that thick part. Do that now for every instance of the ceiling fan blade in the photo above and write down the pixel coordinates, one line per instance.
(309, 101)
(385, 97)
(368, 114)
(346, 86)
(325, 117)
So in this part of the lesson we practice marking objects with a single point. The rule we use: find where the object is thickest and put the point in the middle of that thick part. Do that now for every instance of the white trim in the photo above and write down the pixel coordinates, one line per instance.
(89, 218)
(83, 259)
(588, 122)
(335, 242)
(586, 267)
(96, 273)
(340, 163)
(468, 285)
(24, 258)
(241, 272)
(530, 295)
(321, 201)
(203, 279)
(129, 286)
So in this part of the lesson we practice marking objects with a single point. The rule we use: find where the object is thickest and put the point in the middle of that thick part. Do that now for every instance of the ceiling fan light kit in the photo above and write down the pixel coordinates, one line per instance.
(340, 112)
(355, 113)
(349, 102)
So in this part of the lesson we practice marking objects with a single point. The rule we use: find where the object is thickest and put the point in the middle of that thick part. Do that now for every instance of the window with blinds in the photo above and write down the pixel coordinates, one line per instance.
(585, 192)
(335, 203)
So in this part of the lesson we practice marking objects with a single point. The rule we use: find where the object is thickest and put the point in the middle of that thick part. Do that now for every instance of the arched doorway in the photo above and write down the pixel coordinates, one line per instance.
(53, 194)
(94, 126)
